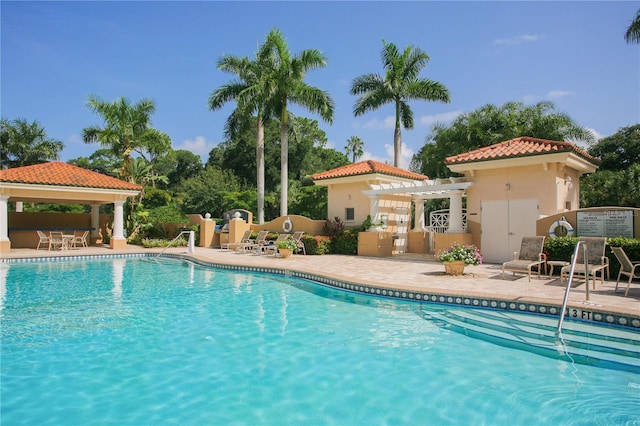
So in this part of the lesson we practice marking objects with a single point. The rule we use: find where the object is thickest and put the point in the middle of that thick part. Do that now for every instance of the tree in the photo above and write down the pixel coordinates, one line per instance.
(491, 124)
(620, 150)
(125, 129)
(399, 85)
(633, 32)
(25, 144)
(250, 92)
(178, 165)
(205, 192)
(354, 147)
(288, 87)
(101, 161)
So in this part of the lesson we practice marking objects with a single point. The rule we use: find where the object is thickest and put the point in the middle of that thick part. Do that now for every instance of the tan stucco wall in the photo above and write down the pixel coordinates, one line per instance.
(342, 196)
(549, 187)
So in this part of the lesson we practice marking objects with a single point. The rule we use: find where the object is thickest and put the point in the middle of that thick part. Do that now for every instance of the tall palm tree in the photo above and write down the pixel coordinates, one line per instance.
(354, 147)
(289, 87)
(250, 91)
(25, 144)
(125, 127)
(633, 32)
(399, 85)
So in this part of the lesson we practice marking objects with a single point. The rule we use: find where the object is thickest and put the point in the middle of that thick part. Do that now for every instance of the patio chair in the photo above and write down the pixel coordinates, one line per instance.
(80, 239)
(57, 241)
(246, 239)
(530, 256)
(43, 239)
(627, 267)
(597, 262)
(297, 236)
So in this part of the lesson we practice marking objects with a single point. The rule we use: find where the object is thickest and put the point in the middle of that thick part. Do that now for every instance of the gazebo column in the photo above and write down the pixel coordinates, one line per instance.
(118, 241)
(19, 206)
(95, 223)
(418, 223)
(374, 208)
(5, 243)
(455, 213)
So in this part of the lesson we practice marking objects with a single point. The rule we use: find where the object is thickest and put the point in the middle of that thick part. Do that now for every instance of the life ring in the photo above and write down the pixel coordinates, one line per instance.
(560, 223)
(287, 225)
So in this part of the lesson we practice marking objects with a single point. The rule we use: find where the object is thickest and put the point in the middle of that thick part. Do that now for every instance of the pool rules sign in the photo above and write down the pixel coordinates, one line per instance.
(608, 223)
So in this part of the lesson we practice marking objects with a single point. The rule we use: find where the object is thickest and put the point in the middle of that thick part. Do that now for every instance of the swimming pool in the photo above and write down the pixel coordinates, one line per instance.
(134, 341)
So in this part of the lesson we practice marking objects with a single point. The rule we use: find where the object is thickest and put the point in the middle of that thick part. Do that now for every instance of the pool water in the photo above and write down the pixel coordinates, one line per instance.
(138, 342)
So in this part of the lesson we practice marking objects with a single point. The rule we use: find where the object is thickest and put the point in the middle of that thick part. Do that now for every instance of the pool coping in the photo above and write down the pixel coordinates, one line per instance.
(480, 300)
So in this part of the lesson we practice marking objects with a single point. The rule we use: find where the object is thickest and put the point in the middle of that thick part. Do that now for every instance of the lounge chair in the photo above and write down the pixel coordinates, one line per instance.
(43, 239)
(627, 267)
(297, 236)
(257, 244)
(57, 241)
(597, 262)
(246, 239)
(530, 256)
(81, 240)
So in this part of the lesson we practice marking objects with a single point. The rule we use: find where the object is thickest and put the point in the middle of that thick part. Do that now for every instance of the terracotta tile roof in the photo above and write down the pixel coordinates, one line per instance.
(367, 167)
(519, 147)
(62, 174)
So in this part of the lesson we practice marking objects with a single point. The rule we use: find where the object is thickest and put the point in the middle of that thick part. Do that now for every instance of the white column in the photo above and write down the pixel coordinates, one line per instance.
(4, 218)
(118, 220)
(19, 206)
(455, 212)
(418, 223)
(95, 220)
(374, 209)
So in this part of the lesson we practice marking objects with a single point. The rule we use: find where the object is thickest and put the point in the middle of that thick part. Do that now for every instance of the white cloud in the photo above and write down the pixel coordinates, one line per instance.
(389, 122)
(512, 41)
(556, 94)
(198, 145)
(445, 117)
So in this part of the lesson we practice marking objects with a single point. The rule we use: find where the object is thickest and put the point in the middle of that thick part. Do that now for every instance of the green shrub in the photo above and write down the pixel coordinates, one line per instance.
(154, 242)
(318, 244)
(345, 242)
(560, 248)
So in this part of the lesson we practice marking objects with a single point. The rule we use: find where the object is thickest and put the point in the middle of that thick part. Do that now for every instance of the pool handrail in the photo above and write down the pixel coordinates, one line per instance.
(574, 260)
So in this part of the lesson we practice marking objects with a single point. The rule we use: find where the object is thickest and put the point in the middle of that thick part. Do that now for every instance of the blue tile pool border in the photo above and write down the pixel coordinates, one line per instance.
(596, 316)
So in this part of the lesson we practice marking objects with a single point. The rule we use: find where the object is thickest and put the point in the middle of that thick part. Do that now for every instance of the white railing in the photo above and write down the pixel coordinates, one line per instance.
(439, 220)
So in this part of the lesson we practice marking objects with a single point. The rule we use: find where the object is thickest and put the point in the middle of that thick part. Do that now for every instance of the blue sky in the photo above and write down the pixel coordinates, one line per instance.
(55, 54)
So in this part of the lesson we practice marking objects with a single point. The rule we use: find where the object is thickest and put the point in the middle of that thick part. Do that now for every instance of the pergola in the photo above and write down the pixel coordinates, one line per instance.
(59, 182)
(452, 188)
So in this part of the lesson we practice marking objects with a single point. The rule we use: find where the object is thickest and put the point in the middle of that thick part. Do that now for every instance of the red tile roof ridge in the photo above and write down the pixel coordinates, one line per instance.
(58, 173)
(367, 167)
(518, 147)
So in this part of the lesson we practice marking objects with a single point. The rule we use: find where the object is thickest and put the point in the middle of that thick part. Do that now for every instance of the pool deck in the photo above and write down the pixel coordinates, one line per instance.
(411, 272)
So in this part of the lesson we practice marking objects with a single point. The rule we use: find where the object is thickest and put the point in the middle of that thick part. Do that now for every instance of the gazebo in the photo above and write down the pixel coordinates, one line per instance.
(58, 182)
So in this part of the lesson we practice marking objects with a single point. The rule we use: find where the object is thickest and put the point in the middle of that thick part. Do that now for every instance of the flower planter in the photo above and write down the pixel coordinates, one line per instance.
(285, 252)
(454, 268)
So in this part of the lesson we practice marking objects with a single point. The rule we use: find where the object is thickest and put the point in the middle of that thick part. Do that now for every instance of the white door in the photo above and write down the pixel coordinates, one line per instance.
(504, 223)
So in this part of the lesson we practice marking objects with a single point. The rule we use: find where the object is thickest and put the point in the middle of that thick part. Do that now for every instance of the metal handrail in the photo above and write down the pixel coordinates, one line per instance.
(173, 241)
(574, 259)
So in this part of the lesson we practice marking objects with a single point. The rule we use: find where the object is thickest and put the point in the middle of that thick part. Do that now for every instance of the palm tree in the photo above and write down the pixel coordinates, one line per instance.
(633, 32)
(25, 144)
(354, 147)
(289, 87)
(125, 127)
(399, 85)
(250, 91)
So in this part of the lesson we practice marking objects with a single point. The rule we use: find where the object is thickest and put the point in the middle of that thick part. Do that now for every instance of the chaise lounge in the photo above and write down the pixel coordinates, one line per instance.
(530, 256)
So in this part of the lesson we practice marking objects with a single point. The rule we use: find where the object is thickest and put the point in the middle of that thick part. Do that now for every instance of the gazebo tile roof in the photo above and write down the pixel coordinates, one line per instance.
(519, 147)
(367, 167)
(58, 173)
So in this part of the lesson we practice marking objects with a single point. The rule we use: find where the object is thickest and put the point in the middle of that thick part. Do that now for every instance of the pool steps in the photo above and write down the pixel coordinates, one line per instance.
(582, 343)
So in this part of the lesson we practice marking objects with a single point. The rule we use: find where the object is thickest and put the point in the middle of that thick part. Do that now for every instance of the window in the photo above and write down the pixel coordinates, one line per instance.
(349, 214)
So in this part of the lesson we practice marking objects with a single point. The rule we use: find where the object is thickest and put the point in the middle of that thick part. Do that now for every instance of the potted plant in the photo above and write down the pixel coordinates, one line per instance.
(456, 257)
(286, 247)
